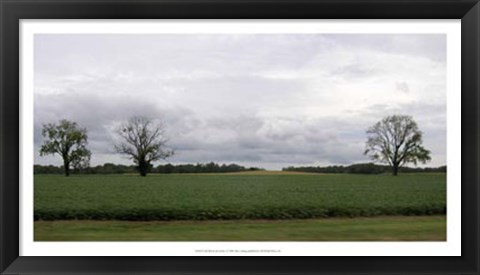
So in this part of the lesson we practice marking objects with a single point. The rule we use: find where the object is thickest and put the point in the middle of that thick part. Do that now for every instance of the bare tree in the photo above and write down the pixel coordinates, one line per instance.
(67, 140)
(396, 140)
(144, 142)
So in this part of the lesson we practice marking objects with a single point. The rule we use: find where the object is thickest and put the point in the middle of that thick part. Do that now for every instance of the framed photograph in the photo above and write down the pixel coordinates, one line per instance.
(341, 136)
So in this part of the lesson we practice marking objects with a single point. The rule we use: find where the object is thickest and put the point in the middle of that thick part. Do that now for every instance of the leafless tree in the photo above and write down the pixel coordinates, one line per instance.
(144, 142)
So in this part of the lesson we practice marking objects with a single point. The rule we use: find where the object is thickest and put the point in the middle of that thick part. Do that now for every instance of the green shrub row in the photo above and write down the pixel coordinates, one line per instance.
(222, 214)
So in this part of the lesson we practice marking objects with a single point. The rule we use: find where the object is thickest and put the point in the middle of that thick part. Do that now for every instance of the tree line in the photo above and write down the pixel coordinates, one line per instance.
(111, 168)
(395, 140)
(364, 168)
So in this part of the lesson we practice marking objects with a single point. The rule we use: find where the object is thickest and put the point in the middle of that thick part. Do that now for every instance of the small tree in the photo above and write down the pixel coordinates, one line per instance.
(396, 140)
(144, 142)
(67, 140)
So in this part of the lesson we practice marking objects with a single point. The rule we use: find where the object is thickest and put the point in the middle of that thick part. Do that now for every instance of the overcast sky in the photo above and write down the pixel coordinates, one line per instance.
(263, 100)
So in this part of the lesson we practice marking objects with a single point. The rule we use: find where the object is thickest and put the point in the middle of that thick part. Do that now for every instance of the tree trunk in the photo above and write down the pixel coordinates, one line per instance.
(142, 168)
(395, 170)
(66, 166)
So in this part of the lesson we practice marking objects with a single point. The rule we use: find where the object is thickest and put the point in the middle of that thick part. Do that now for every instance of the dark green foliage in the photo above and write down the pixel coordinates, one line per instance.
(47, 169)
(68, 141)
(364, 168)
(202, 168)
(227, 196)
(110, 168)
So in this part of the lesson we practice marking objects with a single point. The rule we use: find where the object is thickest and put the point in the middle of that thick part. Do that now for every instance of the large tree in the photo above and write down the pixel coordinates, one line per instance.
(396, 140)
(144, 142)
(67, 140)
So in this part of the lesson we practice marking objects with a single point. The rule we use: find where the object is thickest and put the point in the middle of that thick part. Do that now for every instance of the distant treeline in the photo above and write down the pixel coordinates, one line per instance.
(364, 168)
(110, 168)
(202, 168)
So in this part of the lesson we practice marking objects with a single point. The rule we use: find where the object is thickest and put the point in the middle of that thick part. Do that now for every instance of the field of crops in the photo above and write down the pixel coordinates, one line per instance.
(236, 196)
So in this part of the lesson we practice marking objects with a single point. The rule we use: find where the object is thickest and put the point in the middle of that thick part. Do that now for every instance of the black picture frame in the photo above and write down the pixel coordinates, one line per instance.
(12, 11)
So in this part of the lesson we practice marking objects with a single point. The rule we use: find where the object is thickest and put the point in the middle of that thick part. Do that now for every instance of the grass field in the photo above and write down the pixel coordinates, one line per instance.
(424, 228)
(259, 195)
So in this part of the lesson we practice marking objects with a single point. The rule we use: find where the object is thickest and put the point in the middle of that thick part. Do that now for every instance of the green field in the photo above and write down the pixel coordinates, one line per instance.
(260, 195)
(423, 228)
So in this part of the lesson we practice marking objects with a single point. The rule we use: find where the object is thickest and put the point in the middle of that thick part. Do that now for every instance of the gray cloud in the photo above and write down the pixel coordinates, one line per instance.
(288, 100)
